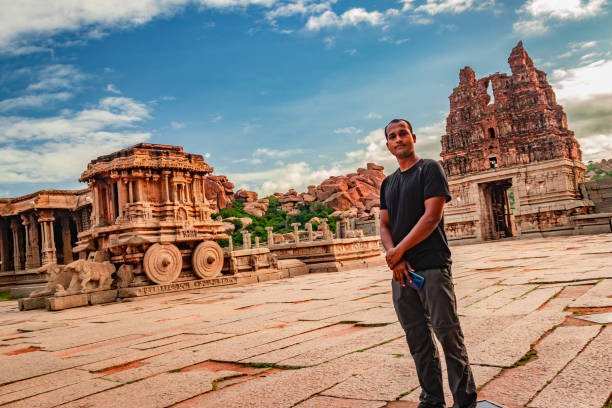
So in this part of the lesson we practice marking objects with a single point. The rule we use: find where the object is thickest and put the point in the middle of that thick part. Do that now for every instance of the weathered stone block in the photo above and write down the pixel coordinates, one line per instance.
(103, 296)
(32, 303)
(266, 276)
(67, 302)
(24, 291)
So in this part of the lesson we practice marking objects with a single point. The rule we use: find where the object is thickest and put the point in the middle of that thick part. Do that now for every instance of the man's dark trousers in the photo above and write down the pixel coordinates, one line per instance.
(435, 307)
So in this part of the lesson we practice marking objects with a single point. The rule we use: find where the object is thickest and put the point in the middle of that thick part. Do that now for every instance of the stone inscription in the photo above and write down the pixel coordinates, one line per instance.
(178, 286)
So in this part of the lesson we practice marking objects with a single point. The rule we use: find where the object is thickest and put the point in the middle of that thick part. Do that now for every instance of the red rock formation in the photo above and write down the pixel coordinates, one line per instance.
(523, 125)
(219, 189)
(356, 191)
(245, 196)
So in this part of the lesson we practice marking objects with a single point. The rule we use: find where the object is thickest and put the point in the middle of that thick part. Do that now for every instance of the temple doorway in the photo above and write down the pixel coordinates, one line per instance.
(498, 221)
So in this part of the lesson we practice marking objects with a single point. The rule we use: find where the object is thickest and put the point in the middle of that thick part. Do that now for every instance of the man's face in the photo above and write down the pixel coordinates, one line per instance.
(400, 140)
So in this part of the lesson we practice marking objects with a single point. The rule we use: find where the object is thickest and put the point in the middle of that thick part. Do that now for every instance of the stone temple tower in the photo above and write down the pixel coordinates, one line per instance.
(515, 141)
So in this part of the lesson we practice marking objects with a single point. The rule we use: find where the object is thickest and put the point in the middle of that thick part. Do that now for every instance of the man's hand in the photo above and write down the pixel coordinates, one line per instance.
(401, 270)
(393, 257)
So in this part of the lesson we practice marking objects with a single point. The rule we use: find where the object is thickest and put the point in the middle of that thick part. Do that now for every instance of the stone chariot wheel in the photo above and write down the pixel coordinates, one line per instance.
(162, 263)
(207, 259)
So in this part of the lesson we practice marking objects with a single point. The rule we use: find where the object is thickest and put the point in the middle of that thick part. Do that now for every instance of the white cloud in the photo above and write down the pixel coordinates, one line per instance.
(351, 51)
(112, 88)
(352, 17)
(351, 130)
(58, 148)
(433, 7)
(293, 175)
(583, 82)
(302, 7)
(537, 13)
(329, 41)
(563, 9)
(178, 125)
(391, 40)
(33, 101)
(263, 151)
(586, 93)
(529, 28)
(373, 115)
(217, 118)
(25, 23)
(54, 77)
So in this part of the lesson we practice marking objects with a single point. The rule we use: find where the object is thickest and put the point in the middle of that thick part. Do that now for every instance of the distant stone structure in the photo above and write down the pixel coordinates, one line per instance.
(518, 140)
(39, 229)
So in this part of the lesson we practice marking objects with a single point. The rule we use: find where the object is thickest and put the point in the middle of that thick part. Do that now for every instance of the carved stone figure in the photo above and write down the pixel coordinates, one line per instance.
(58, 278)
(88, 277)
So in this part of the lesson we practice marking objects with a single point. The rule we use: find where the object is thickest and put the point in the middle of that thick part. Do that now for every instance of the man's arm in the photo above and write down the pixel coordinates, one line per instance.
(385, 230)
(434, 208)
(401, 269)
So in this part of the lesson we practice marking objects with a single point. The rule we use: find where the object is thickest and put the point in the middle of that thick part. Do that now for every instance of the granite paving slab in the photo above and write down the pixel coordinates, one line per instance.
(598, 296)
(585, 382)
(517, 386)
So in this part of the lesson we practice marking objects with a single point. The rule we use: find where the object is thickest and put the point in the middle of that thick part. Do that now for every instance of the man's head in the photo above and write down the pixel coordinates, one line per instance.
(400, 139)
(398, 121)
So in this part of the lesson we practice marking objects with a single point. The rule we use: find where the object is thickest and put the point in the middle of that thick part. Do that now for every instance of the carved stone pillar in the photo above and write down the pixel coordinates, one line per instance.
(28, 250)
(256, 242)
(246, 241)
(166, 189)
(377, 222)
(310, 233)
(31, 241)
(296, 233)
(4, 246)
(95, 208)
(270, 232)
(66, 240)
(46, 219)
(130, 191)
(121, 195)
(16, 244)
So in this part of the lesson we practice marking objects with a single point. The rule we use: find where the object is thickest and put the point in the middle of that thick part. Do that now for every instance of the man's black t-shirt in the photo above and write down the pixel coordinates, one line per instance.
(403, 194)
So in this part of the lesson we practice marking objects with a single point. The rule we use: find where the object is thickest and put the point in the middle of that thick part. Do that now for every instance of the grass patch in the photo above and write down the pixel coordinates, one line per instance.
(5, 296)
(398, 355)
(371, 324)
(526, 357)
(348, 322)
(214, 385)
(271, 365)
(178, 370)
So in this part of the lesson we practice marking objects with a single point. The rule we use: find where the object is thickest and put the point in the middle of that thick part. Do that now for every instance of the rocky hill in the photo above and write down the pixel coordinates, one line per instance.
(597, 170)
(357, 193)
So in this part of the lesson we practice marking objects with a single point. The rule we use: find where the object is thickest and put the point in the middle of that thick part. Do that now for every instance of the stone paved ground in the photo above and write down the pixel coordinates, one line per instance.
(325, 340)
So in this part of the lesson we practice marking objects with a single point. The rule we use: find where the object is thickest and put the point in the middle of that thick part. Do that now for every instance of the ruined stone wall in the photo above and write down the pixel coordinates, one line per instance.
(600, 192)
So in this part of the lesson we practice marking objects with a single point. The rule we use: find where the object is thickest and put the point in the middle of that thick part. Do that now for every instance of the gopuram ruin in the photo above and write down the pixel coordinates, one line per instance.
(518, 141)
(144, 227)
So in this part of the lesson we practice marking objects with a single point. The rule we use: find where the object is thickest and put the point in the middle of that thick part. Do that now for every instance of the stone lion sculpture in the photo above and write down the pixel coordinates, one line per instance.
(88, 277)
(57, 279)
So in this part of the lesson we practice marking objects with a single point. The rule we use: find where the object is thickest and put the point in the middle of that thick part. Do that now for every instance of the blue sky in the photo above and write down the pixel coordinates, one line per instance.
(276, 94)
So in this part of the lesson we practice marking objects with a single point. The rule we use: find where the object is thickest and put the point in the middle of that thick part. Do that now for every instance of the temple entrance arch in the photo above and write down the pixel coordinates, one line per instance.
(497, 220)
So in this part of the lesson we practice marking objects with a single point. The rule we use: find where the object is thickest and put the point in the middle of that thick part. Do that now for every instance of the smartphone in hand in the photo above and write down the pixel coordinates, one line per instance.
(417, 280)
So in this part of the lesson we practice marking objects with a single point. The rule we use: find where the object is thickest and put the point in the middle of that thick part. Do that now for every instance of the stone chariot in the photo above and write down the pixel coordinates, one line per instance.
(150, 216)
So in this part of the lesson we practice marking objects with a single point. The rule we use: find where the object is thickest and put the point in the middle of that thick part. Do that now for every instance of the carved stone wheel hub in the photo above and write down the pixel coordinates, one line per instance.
(162, 263)
(207, 259)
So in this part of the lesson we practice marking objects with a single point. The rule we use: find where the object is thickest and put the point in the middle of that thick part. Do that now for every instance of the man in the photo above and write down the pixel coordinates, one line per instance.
(412, 231)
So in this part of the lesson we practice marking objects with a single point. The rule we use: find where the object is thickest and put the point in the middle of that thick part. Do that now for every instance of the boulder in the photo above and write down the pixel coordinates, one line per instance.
(245, 196)
(339, 201)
